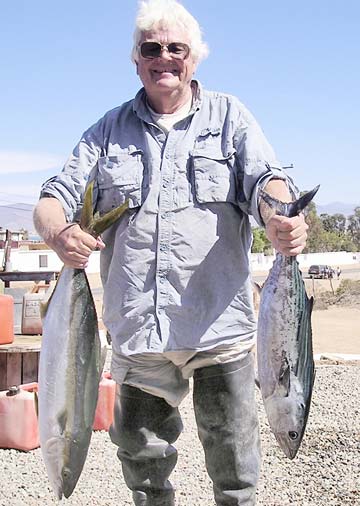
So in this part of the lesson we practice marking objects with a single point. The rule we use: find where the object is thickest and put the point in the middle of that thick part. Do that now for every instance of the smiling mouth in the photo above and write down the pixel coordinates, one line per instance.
(165, 71)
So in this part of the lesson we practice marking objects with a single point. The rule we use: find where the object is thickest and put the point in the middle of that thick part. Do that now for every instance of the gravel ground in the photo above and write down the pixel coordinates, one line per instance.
(325, 472)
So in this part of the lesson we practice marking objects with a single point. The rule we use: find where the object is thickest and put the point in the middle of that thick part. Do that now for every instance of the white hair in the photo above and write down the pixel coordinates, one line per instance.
(155, 14)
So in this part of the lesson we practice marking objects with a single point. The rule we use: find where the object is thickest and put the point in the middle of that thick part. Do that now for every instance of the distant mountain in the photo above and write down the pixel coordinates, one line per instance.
(17, 216)
(336, 208)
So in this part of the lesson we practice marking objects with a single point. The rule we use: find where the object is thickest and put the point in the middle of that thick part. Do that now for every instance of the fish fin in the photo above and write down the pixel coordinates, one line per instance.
(86, 218)
(93, 223)
(103, 348)
(62, 419)
(36, 403)
(43, 309)
(108, 337)
(44, 303)
(101, 224)
(299, 205)
(311, 305)
(257, 287)
(283, 387)
(289, 209)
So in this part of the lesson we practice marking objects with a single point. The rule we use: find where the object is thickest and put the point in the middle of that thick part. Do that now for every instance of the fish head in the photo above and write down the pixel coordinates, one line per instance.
(76, 449)
(69, 477)
(287, 420)
(64, 459)
(53, 450)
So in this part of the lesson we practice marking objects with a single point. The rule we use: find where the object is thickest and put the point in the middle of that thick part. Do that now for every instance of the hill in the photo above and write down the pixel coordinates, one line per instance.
(336, 208)
(17, 216)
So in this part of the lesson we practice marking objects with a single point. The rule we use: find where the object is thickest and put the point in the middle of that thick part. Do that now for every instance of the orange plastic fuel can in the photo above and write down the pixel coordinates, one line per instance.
(104, 413)
(6, 319)
(18, 419)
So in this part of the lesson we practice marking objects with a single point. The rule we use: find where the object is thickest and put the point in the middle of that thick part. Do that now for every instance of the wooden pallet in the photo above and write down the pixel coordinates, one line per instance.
(19, 361)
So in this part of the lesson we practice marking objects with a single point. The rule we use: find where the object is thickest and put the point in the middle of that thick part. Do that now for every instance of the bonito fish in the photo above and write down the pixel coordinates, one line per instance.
(284, 342)
(70, 367)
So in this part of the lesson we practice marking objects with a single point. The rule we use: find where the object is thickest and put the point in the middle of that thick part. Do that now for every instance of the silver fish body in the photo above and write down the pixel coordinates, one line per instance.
(286, 369)
(69, 375)
(71, 361)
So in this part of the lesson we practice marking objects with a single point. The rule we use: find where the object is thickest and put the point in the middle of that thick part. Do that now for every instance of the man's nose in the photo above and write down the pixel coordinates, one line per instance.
(165, 54)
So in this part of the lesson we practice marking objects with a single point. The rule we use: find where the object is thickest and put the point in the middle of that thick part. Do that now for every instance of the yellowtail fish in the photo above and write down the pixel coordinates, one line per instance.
(71, 362)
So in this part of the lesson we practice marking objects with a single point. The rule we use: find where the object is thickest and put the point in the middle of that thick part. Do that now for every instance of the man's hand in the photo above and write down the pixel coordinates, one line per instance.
(287, 235)
(74, 246)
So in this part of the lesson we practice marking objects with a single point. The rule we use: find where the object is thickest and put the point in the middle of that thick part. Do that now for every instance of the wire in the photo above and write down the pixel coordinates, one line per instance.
(18, 208)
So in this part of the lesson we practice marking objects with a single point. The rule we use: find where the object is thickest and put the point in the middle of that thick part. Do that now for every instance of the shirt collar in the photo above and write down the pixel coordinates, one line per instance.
(141, 108)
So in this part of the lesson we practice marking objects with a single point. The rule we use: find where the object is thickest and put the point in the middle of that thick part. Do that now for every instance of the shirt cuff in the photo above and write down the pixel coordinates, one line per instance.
(274, 173)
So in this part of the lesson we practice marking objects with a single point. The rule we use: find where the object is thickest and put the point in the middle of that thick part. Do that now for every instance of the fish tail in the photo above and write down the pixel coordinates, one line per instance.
(36, 403)
(86, 217)
(289, 209)
(95, 225)
(299, 205)
(108, 219)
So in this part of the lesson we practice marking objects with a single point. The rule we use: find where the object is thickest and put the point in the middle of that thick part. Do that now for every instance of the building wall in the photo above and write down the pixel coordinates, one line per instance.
(23, 260)
(260, 262)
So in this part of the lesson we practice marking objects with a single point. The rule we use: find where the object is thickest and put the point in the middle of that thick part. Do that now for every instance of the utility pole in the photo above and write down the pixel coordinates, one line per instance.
(7, 250)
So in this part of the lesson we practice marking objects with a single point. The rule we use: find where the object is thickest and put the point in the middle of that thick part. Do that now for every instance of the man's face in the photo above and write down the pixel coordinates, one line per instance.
(164, 75)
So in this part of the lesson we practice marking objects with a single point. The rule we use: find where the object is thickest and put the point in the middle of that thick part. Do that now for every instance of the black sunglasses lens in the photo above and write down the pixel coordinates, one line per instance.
(150, 49)
(178, 50)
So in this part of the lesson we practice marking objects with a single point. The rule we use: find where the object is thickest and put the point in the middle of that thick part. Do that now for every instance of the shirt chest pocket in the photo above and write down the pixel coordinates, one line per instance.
(120, 178)
(214, 176)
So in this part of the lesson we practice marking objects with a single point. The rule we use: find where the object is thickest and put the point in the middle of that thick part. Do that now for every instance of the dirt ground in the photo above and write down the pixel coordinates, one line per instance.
(337, 328)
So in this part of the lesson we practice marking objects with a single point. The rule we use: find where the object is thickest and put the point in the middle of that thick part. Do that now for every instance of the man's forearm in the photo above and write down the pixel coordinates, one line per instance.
(49, 219)
(278, 189)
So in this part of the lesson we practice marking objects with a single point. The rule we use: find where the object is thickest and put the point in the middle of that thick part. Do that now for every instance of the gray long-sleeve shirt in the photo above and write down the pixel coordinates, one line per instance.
(176, 267)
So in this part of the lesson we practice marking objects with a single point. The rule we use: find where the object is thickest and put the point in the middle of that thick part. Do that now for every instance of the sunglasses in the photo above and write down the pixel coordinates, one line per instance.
(177, 50)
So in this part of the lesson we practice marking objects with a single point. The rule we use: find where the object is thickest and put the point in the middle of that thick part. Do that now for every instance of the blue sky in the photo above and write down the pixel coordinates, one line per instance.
(295, 65)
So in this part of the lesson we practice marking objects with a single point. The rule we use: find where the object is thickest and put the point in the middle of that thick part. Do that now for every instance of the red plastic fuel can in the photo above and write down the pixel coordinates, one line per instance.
(104, 413)
(6, 319)
(18, 419)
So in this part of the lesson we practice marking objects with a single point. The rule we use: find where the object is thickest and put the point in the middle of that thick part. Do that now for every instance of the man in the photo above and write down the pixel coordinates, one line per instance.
(175, 269)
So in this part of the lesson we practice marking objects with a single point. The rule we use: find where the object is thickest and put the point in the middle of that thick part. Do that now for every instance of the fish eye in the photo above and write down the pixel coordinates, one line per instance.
(66, 473)
(293, 435)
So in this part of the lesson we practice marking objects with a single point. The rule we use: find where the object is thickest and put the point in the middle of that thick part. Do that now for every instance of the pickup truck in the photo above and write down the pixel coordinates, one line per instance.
(321, 271)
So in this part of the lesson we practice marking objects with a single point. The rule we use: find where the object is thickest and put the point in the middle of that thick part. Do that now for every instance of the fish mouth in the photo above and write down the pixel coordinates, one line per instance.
(69, 486)
(289, 443)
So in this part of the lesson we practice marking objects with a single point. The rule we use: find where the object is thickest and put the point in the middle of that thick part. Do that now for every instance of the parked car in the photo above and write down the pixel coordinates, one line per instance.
(321, 271)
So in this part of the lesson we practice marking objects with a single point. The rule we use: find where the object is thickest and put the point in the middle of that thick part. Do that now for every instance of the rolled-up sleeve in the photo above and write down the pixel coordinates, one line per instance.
(69, 185)
(256, 165)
